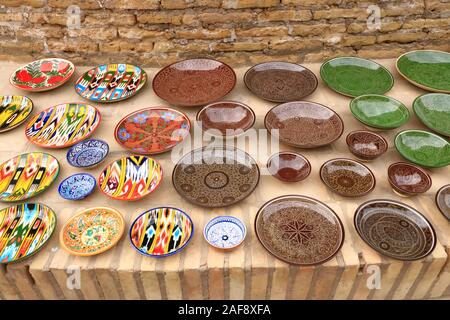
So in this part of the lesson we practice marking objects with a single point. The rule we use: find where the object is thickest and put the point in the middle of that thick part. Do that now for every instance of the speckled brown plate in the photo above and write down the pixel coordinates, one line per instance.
(407, 179)
(443, 200)
(394, 229)
(215, 177)
(366, 145)
(194, 82)
(299, 230)
(349, 178)
(280, 81)
(304, 124)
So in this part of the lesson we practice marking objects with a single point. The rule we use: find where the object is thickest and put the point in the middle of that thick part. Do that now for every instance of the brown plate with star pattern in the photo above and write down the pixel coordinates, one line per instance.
(299, 230)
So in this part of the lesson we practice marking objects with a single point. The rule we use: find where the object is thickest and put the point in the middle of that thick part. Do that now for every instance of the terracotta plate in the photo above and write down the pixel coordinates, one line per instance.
(24, 229)
(63, 125)
(225, 232)
(304, 124)
(77, 186)
(152, 130)
(14, 110)
(366, 145)
(111, 82)
(407, 179)
(443, 200)
(27, 175)
(161, 232)
(130, 178)
(433, 109)
(42, 75)
(299, 230)
(289, 166)
(194, 82)
(280, 81)
(215, 177)
(92, 231)
(88, 153)
(395, 229)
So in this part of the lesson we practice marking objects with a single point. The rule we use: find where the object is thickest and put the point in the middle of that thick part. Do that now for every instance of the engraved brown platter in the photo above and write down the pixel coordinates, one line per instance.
(299, 230)
(395, 229)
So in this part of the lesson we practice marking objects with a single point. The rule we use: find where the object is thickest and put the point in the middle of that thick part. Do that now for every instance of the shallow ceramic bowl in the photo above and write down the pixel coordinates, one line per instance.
(226, 118)
(14, 110)
(289, 166)
(77, 186)
(88, 153)
(433, 109)
(443, 200)
(225, 232)
(279, 81)
(346, 177)
(407, 179)
(366, 145)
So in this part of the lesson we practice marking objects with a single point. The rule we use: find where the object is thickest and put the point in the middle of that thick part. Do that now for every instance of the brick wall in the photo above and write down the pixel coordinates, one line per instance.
(156, 32)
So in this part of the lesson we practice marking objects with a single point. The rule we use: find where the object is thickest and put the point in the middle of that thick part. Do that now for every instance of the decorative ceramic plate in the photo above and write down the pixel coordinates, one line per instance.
(289, 166)
(215, 177)
(225, 232)
(152, 130)
(111, 82)
(352, 76)
(304, 124)
(42, 75)
(423, 148)
(14, 110)
(380, 112)
(87, 153)
(426, 69)
(407, 179)
(443, 200)
(27, 175)
(194, 82)
(24, 229)
(161, 232)
(299, 230)
(130, 178)
(226, 118)
(92, 231)
(366, 145)
(395, 229)
(433, 109)
(280, 81)
(63, 125)
(77, 186)
(346, 177)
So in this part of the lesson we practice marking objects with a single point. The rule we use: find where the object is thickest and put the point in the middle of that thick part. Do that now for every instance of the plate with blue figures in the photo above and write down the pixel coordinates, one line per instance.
(87, 153)
(77, 186)
(225, 232)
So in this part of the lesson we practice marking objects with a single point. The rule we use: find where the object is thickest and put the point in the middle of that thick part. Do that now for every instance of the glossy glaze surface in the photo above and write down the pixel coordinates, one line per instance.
(443, 200)
(14, 110)
(280, 81)
(395, 230)
(77, 186)
(299, 230)
(289, 166)
(433, 109)
(225, 232)
(304, 124)
(87, 153)
(408, 179)
(366, 145)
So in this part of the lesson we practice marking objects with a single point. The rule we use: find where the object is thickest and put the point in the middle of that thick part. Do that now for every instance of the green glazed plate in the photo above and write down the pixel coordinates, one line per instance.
(423, 148)
(379, 111)
(352, 76)
(433, 109)
(426, 69)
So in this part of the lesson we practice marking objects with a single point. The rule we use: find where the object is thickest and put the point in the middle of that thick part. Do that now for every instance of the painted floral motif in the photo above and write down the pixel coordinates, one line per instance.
(87, 153)
(77, 186)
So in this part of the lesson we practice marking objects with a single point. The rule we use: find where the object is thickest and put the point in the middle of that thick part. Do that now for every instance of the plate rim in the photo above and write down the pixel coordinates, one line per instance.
(74, 175)
(392, 184)
(25, 119)
(415, 106)
(437, 196)
(85, 140)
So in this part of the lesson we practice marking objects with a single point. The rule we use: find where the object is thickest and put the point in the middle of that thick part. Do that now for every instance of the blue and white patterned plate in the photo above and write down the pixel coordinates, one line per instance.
(225, 232)
(87, 153)
(77, 186)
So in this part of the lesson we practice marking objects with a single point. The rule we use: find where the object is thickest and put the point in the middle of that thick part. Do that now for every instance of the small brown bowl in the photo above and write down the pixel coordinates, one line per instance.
(366, 145)
(443, 200)
(407, 179)
(289, 166)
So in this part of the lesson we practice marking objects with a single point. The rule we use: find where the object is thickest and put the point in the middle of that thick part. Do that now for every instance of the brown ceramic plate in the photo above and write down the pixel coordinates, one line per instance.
(366, 145)
(289, 166)
(194, 82)
(304, 124)
(443, 200)
(395, 230)
(299, 230)
(226, 118)
(349, 178)
(280, 81)
(407, 179)
(215, 177)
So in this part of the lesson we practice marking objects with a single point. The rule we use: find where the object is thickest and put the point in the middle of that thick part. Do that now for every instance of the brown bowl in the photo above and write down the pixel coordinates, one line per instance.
(289, 166)
(407, 179)
(366, 145)
(226, 118)
(279, 81)
(443, 200)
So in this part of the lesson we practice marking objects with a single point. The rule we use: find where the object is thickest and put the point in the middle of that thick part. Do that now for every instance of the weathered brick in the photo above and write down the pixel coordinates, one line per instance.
(50, 18)
(295, 44)
(126, 46)
(230, 17)
(263, 31)
(118, 19)
(317, 29)
(203, 33)
(100, 33)
(30, 3)
(159, 18)
(21, 46)
(358, 41)
(82, 4)
(285, 15)
(39, 33)
(401, 37)
(11, 17)
(170, 46)
(184, 4)
(6, 31)
(238, 4)
(132, 4)
(403, 9)
(71, 45)
(311, 2)
(139, 33)
(240, 46)
(336, 13)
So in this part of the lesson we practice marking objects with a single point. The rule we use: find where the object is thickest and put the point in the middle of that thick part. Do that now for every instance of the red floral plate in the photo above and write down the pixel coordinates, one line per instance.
(42, 75)
(152, 130)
